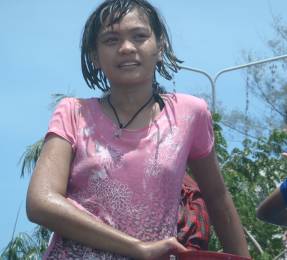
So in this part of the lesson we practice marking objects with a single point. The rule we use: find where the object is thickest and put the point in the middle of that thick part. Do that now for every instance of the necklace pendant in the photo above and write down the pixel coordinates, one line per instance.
(118, 132)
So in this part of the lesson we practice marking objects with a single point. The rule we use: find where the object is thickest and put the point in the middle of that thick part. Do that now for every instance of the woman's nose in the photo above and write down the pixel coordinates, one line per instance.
(127, 47)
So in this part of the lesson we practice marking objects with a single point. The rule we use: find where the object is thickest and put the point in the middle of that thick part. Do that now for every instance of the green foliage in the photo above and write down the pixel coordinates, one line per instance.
(220, 144)
(30, 157)
(27, 247)
(251, 173)
(22, 247)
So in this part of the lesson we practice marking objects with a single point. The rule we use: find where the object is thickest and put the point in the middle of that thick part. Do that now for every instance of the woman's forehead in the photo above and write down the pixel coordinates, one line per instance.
(134, 18)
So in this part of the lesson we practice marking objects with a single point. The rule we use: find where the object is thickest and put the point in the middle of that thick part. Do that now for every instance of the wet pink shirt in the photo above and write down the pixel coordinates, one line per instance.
(131, 182)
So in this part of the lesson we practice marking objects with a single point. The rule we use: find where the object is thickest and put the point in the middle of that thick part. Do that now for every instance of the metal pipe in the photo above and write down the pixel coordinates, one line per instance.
(249, 65)
(213, 80)
(210, 80)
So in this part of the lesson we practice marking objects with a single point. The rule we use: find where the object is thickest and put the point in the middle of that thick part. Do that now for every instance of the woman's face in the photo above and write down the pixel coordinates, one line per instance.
(128, 52)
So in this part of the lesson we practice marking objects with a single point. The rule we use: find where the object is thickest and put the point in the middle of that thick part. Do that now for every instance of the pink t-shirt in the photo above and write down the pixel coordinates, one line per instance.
(131, 182)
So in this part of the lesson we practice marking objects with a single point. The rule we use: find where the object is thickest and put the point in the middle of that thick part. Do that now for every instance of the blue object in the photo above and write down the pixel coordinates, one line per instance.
(283, 189)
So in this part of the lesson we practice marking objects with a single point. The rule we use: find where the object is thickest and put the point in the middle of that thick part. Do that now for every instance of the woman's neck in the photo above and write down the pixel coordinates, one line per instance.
(129, 100)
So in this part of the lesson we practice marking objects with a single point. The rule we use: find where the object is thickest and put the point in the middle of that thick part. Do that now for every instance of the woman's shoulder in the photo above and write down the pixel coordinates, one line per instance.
(186, 101)
(77, 102)
(75, 106)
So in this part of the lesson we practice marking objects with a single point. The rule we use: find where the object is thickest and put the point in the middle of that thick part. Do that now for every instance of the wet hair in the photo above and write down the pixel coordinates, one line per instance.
(109, 13)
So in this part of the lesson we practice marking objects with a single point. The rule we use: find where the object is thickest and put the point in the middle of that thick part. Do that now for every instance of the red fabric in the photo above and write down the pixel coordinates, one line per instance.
(193, 227)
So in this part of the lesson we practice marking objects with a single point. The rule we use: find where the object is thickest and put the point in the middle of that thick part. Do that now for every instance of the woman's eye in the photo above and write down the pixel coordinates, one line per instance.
(110, 41)
(140, 37)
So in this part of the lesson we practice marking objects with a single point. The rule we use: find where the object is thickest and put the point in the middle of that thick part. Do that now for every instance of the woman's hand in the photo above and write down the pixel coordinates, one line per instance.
(160, 250)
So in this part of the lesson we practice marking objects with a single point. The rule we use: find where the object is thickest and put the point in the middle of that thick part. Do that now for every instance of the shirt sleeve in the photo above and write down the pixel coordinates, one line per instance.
(64, 121)
(283, 189)
(202, 132)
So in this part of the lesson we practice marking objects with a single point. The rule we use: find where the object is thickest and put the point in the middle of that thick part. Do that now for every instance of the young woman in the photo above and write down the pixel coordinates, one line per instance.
(109, 177)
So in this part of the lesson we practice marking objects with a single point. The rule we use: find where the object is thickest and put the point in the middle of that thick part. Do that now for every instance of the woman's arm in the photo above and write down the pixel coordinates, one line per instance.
(273, 209)
(220, 206)
(47, 206)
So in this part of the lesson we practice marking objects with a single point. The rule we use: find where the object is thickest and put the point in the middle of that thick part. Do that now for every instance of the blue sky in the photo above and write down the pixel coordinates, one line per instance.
(40, 55)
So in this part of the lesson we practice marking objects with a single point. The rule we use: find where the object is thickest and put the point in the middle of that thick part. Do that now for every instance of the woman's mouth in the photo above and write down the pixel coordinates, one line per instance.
(127, 65)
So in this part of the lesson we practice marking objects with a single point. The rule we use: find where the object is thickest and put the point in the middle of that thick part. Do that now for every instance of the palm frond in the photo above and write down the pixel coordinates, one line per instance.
(21, 247)
(16, 221)
(30, 156)
(24, 246)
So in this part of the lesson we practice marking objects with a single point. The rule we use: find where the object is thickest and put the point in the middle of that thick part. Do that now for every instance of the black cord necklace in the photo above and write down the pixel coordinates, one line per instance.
(120, 124)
